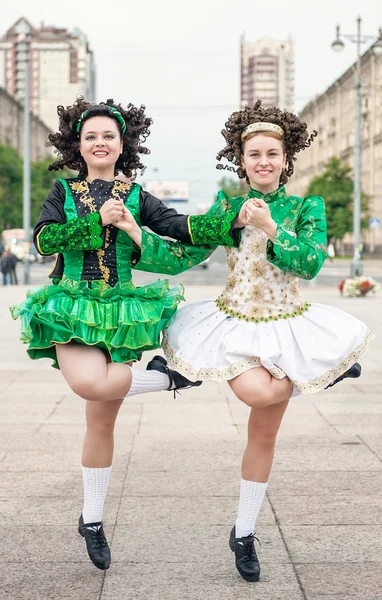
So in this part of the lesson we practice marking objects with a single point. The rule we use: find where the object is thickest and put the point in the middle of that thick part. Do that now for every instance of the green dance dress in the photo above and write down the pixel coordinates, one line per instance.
(93, 301)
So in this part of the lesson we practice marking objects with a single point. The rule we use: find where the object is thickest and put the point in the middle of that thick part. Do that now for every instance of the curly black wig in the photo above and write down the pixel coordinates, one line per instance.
(66, 142)
(295, 138)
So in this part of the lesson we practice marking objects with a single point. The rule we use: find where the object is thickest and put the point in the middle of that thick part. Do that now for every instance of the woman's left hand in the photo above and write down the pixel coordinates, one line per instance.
(258, 214)
(128, 224)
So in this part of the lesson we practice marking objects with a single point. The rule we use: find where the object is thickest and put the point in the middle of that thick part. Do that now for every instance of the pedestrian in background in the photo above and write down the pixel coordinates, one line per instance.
(5, 265)
(331, 252)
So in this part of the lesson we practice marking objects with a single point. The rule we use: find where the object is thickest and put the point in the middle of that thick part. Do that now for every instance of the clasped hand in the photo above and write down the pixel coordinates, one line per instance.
(255, 212)
(114, 212)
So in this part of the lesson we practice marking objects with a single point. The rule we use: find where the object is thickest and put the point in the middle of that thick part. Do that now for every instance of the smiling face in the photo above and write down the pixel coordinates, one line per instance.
(263, 159)
(100, 146)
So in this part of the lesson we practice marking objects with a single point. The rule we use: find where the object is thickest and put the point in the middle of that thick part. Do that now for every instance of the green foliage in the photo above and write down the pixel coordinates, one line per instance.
(335, 185)
(11, 187)
(42, 182)
(232, 187)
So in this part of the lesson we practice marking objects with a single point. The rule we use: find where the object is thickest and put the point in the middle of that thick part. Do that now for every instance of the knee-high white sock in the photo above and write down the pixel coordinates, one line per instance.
(96, 482)
(147, 381)
(251, 498)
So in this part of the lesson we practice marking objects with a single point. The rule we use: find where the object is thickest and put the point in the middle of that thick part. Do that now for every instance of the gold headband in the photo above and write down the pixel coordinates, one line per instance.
(261, 126)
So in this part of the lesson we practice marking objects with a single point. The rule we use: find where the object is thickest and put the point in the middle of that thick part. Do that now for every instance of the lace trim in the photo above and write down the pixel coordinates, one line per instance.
(206, 373)
(235, 369)
(310, 387)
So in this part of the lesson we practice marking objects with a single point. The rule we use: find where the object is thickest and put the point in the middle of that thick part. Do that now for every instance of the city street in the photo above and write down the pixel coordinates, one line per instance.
(175, 482)
(216, 272)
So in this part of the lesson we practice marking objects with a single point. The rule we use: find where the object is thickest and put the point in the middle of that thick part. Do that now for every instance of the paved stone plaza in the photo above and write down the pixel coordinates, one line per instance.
(175, 483)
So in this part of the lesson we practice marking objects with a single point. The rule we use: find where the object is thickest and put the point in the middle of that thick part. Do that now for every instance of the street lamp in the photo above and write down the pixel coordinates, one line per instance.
(23, 36)
(338, 45)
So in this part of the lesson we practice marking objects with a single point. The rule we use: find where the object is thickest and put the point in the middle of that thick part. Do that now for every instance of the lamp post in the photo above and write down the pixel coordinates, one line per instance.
(23, 35)
(338, 45)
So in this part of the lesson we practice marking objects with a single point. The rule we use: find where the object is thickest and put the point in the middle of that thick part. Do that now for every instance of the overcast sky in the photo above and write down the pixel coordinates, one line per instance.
(181, 59)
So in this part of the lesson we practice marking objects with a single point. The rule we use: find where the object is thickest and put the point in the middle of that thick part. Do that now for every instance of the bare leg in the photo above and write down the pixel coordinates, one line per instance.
(99, 439)
(268, 398)
(88, 373)
(258, 388)
(263, 426)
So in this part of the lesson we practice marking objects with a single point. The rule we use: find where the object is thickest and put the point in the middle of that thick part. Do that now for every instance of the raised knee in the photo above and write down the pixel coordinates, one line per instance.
(254, 396)
(88, 390)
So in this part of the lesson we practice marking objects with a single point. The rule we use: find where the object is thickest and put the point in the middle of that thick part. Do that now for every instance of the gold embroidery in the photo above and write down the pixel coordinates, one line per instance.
(38, 240)
(81, 189)
(120, 190)
(258, 269)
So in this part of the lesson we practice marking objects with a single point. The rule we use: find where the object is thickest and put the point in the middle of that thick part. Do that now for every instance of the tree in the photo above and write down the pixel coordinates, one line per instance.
(336, 186)
(11, 188)
(233, 187)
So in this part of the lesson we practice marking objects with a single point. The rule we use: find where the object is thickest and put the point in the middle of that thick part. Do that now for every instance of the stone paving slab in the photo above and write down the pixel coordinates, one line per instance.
(38, 461)
(338, 581)
(190, 511)
(212, 580)
(52, 511)
(55, 581)
(341, 509)
(326, 457)
(174, 487)
(325, 483)
(172, 483)
(49, 484)
(334, 543)
(195, 544)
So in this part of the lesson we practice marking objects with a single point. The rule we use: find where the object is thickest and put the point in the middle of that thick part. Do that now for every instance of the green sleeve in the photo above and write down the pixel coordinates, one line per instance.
(304, 255)
(162, 256)
(216, 226)
(83, 233)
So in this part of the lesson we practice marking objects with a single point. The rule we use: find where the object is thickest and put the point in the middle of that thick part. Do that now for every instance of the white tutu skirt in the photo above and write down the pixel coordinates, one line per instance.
(203, 343)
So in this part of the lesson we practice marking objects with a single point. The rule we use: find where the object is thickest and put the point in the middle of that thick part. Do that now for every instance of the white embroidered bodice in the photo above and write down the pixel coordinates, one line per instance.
(255, 289)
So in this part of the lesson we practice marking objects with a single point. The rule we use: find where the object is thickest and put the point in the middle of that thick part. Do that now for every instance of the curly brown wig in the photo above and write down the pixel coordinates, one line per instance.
(295, 138)
(66, 142)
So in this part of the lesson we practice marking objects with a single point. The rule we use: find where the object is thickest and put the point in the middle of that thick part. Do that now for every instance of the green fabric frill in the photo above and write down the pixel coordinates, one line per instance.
(123, 320)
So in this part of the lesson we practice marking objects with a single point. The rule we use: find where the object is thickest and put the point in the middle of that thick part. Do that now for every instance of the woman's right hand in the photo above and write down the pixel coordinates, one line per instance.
(111, 211)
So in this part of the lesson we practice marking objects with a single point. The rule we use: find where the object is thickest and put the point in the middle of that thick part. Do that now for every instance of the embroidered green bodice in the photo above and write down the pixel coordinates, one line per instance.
(92, 252)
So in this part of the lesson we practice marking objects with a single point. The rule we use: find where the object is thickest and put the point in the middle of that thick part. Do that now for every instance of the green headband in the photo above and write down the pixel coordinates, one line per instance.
(116, 114)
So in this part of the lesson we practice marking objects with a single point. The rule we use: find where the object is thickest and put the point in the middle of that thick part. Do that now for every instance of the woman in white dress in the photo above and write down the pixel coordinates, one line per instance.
(259, 335)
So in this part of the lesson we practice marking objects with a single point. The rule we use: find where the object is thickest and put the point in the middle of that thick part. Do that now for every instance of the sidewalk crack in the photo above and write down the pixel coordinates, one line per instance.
(278, 525)
(50, 414)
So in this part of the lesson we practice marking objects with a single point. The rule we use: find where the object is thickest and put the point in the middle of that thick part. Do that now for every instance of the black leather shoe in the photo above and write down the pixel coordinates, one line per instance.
(177, 381)
(96, 543)
(353, 372)
(246, 559)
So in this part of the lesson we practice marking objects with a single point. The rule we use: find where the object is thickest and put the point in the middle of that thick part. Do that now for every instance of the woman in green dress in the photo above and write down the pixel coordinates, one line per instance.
(92, 320)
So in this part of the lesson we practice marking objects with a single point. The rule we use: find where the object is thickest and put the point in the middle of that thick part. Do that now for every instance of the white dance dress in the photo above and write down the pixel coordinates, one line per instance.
(260, 318)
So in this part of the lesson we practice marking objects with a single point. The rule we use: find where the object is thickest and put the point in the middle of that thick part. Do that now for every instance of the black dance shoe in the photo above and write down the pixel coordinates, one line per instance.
(353, 372)
(246, 559)
(177, 381)
(96, 543)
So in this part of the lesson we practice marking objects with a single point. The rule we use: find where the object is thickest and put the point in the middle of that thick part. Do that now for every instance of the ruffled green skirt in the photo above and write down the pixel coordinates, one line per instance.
(123, 320)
